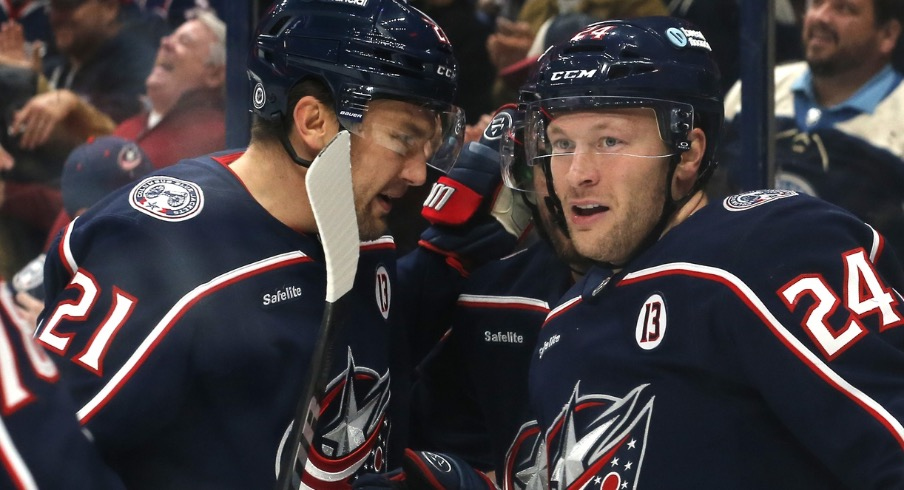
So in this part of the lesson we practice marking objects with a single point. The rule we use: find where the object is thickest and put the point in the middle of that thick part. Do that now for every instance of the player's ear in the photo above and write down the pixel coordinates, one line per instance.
(314, 123)
(689, 165)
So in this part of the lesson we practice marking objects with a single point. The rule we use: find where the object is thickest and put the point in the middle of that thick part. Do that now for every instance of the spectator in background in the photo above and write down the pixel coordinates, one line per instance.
(186, 94)
(29, 19)
(720, 20)
(185, 116)
(97, 62)
(92, 170)
(838, 113)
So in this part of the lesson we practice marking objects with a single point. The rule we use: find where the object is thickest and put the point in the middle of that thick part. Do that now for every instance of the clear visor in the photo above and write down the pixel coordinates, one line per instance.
(410, 130)
(600, 128)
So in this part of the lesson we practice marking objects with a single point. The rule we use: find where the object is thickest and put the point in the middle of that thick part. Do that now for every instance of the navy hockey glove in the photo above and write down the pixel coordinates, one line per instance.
(474, 217)
(423, 470)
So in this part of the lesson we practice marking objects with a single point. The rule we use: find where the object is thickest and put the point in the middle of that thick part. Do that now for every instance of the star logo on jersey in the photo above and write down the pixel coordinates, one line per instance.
(525, 462)
(351, 434)
(599, 440)
(748, 200)
(167, 198)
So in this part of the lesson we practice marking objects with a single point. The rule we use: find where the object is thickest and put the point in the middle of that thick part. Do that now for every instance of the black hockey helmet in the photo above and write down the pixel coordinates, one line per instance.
(663, 63)
(361, 50)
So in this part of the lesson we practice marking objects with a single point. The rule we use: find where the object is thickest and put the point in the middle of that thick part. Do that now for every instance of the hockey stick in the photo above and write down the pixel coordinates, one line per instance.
(329, 185)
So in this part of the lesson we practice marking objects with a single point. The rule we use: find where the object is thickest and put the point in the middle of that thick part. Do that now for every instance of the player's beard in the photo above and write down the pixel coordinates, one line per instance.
(635, 221)
(370, 227)
(549, 230)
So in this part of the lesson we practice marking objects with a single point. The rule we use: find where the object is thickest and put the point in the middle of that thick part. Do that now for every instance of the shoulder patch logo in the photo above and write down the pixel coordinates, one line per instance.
(747, 200)
(651, 323)
(167, 198)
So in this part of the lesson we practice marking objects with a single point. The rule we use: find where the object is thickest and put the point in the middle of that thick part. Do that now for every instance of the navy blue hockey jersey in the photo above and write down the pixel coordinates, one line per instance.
(756, 345)
(41, 442)
(470, 397)
(185, 316)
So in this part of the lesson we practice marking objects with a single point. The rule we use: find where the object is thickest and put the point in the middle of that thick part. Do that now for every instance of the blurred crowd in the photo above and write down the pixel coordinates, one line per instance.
(153, 72)
(97, 94)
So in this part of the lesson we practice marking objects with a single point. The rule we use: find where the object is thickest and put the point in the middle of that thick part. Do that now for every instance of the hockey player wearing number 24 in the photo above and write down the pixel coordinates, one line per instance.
(755, 342)
(186, 307)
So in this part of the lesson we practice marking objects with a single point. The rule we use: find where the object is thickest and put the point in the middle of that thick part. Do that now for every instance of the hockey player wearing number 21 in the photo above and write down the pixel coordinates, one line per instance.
(186, 307)
(754, 342)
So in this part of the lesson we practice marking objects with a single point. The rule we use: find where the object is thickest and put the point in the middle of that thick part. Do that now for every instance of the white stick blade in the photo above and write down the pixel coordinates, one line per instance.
(329, 184)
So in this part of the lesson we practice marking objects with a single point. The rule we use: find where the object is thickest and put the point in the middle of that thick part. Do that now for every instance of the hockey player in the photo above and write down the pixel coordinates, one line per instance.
(185, 308)
(41, 443)
(755, 342)
(470, 393)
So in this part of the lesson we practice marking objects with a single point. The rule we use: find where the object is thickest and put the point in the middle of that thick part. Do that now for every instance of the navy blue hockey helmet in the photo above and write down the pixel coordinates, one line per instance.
(662, 63)
(361, 50)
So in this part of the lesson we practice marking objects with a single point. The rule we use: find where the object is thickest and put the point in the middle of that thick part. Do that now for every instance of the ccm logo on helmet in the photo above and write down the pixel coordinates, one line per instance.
(445, 71)
(571, 74)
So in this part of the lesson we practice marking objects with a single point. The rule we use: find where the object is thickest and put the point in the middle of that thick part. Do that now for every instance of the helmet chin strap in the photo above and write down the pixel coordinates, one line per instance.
(290, 150)
(553, 203)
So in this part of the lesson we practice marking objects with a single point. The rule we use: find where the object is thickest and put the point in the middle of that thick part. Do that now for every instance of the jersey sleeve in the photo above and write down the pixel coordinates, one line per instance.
(41, 443)
(108, 296)
(817, 320)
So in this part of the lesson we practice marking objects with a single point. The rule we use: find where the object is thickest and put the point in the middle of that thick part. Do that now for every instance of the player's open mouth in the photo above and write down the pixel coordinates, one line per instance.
(385, 201)
(588, 209)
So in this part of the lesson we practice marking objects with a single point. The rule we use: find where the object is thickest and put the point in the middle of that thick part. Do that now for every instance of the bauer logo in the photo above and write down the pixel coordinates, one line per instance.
(359, 3)
(167, 198)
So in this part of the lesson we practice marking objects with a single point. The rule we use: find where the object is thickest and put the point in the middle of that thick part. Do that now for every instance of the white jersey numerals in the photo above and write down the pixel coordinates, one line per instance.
(92, 356)
(864, 295)
(13, 392)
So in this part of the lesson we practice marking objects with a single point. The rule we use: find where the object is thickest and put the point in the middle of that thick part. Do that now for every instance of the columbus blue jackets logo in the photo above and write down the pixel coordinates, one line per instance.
(167, 198)
(598, 441)
(129, 157)
(352, 431)
(753, 199)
